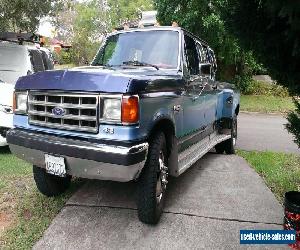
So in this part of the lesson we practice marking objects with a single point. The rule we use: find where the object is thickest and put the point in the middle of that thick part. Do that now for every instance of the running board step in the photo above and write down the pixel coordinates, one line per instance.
(188, 157)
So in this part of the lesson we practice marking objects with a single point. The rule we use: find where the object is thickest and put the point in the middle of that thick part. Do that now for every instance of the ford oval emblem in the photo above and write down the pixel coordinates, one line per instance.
(57, 111)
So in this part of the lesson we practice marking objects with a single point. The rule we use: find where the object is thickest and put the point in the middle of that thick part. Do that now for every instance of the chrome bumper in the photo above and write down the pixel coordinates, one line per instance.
(82, 159)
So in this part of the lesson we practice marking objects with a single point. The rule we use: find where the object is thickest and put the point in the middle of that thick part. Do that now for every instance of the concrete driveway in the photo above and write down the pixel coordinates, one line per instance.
(206, 208)
(264, 132)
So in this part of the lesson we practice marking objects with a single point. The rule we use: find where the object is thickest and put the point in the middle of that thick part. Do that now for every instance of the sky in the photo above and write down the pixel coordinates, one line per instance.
(46, 28)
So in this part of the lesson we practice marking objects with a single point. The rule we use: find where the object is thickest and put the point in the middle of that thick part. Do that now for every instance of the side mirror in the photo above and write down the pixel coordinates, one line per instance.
(205, 69)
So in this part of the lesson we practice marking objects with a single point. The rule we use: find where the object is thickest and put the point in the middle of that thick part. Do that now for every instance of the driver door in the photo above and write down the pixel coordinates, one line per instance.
(193, 97)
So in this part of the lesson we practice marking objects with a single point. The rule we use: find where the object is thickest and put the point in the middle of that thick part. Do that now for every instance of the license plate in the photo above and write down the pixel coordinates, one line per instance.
(55, 165)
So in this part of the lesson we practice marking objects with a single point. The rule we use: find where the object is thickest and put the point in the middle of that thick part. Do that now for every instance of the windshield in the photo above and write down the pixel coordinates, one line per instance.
(159, 48)
(11, 58)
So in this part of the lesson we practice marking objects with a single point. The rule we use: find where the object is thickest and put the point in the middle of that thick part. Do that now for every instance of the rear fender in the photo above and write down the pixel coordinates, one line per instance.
(228, 108)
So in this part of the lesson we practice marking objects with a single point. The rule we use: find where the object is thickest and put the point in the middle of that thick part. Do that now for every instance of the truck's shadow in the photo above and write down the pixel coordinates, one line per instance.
(123, 195)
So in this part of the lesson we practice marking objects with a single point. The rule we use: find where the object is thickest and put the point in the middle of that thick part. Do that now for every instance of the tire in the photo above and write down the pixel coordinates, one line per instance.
(152, 184)
(229, 145)
(48, 184)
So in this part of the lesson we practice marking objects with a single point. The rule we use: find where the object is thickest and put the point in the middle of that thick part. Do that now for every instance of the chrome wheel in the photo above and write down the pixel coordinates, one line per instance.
(234, 141)
(161, 184)
(234, 132)
(152, 184)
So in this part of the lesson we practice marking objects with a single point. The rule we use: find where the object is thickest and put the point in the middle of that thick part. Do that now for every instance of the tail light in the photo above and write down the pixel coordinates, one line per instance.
(130, 109)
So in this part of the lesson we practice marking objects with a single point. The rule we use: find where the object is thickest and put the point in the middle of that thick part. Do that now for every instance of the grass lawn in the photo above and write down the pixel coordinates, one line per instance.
(24, 213)
(280, 171)
(266, 104)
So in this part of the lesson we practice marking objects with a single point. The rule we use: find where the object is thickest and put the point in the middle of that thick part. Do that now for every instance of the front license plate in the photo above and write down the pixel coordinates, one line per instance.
(55, 165)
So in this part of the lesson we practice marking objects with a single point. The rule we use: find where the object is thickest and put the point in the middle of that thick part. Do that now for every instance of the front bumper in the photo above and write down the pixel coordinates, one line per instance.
(82, 158)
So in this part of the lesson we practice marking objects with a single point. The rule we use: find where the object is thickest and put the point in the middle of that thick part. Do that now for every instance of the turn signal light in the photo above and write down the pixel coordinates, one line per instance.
(130, 109)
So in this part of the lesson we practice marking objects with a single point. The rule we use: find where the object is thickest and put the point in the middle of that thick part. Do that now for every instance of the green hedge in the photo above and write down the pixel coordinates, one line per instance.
(263, 88)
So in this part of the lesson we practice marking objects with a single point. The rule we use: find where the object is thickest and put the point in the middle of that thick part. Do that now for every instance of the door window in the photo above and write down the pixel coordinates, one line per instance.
(192, 56)
(202, 54)
(36, 61)
(205, 54)
(48, 65)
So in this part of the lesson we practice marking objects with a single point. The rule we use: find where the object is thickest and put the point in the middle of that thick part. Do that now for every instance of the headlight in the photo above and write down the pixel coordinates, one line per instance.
(111, 109)
(20, 102)
(119, 109)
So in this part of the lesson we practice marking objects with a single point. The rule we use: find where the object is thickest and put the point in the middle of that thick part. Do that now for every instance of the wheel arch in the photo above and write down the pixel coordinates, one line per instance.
(237, 109)
(167, 126)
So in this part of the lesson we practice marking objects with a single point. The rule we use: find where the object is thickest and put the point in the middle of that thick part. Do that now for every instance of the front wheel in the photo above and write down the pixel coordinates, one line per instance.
(48, 184)
(153, 181)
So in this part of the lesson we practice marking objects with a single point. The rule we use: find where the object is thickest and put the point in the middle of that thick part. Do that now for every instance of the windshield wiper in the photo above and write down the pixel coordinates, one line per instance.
(137, 63)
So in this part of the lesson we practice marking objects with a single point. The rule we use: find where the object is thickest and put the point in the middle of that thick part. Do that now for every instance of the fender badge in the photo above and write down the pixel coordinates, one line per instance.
(109, 131)
(177, 108)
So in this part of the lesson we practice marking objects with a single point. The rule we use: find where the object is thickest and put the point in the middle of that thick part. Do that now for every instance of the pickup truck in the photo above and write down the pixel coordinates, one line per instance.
(147, 108)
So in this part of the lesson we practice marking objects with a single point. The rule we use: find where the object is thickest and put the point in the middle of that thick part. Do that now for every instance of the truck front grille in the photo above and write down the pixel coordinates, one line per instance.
(78, 112)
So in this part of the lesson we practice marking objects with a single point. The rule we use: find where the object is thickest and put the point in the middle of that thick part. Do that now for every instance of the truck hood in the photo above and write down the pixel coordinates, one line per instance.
(10, 75)
(6, 94)
(94, 79)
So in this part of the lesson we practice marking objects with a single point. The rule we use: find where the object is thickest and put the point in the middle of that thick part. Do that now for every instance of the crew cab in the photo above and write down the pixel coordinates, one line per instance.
(146, 109)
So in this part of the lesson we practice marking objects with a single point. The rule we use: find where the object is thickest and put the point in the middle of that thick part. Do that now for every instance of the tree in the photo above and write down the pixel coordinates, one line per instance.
(24, 15)
(63, 20)
(89, 27)
(293, 125)
(84, 24)
(271, 28)
(205, 19)
(123, 10)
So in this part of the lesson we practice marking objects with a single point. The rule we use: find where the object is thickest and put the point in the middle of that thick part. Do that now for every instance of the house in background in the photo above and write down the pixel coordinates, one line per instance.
(57, 45)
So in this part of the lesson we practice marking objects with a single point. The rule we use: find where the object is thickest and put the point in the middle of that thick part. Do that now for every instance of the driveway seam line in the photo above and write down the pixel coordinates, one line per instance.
(177, 213)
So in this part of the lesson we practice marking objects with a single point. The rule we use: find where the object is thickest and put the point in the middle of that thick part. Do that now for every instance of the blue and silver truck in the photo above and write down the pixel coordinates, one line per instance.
(147, 108)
